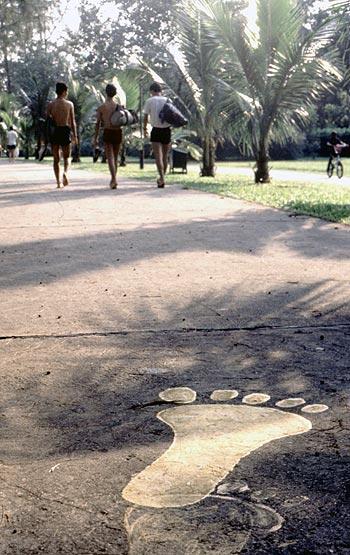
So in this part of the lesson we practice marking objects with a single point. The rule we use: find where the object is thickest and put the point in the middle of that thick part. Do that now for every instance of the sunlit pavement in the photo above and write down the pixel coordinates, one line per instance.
(109, 298)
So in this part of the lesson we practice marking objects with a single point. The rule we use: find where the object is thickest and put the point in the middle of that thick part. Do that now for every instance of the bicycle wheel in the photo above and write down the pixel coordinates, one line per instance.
(340, 170)
(330, 168)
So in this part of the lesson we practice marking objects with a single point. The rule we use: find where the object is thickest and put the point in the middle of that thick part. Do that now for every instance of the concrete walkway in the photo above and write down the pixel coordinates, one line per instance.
(110, 297)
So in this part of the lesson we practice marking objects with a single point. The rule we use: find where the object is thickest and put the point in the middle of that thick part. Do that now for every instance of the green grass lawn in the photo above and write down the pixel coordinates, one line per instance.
(306, 165)
(326, 200)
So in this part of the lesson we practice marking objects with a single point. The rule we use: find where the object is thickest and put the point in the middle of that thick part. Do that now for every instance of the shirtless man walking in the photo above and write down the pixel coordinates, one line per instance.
(62, 112)
(112, 136)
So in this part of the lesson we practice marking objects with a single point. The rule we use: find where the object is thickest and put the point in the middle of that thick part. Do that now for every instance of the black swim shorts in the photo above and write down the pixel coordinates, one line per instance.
(62, 136)
(161, 135)
(112, 136)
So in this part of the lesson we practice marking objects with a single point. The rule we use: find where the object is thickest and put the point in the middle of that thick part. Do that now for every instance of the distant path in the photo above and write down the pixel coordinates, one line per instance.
(291, 175)
(285, 174)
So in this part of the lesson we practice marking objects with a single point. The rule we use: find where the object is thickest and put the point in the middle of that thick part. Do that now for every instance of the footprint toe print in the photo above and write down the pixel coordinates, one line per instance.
(209, 440)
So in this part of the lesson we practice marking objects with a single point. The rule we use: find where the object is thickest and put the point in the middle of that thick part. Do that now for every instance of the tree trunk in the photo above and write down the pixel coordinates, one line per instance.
(208, 159)
(76, 154)
(76, 148)
(37, 149)
(262, 163)
(122, 155)
(7, 72)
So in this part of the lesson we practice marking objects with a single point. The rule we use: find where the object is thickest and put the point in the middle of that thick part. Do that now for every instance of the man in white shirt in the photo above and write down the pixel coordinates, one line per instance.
(160, 134)
(11, 143)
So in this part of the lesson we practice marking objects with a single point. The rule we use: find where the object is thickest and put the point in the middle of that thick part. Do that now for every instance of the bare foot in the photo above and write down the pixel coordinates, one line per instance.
(65, 180)
(113, 184)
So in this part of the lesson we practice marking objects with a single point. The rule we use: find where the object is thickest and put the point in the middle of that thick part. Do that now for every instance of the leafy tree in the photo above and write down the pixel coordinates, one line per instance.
(98, 46)
(275, 74)
(35, 76)
(148, 23)
(335, 112)
(111, 31)
(20, 22)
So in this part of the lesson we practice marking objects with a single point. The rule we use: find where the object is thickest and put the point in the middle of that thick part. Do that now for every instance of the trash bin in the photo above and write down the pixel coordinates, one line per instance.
(178, 159)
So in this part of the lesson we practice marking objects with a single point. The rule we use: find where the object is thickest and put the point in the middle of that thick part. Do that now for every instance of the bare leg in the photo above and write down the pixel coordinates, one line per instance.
(66, 157)
(158, 154)
(56, 163)
(165, 149)
(11, 155)
(112, 164)
(116, 149)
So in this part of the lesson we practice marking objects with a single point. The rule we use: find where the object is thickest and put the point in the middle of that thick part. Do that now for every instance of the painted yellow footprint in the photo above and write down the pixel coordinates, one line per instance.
(209, 440)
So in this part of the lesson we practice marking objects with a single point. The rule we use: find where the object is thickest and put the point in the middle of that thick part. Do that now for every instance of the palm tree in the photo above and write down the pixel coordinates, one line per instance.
(13, 114)
(128, 87)
(199, 86)
(84, 98)
(274, 73)
(9, 109)
(9, 113)
(192, 72)
(128, 91)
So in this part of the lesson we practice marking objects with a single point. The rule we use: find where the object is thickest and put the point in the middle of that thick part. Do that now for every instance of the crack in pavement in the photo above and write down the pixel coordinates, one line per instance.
(64, 502)
(270, 327)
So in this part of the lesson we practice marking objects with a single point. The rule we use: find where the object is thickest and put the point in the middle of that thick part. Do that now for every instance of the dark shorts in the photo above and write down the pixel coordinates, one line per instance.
(11, 147)
(62, 136)
(161, 135)
(112, 136)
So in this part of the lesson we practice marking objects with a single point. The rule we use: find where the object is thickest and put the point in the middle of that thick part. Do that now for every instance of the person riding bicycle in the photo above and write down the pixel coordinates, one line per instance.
(336, 145)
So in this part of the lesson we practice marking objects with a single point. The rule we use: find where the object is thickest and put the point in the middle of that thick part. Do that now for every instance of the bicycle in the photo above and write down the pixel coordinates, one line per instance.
(338, 163)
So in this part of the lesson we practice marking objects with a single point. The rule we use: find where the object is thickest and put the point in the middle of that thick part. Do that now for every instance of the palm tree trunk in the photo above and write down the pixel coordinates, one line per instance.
(208, 159)
(76, 154)
(76, 151)
(7, 72)
(123, 155)
(26, 148)
(38, 145)
(262, 162)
